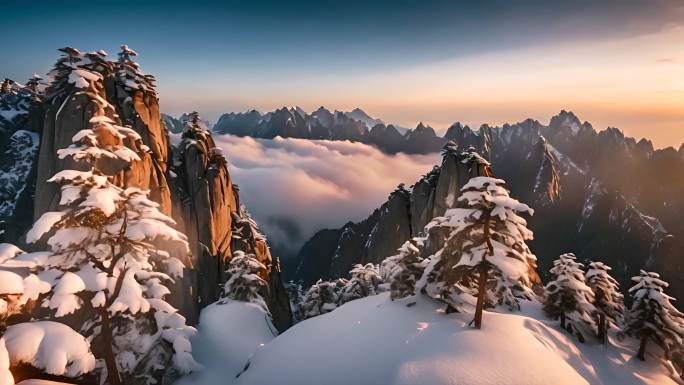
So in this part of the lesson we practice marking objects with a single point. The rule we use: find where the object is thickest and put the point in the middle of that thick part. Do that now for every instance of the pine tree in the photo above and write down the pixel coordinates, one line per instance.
(34, 83)
(114, 254)
(608, 300)
(245, 283)
(130, 75)
(485, 250)
(296, 295)
(403, 270)
(653, 317)
(321, 298)
(365, 281)
(569, 298)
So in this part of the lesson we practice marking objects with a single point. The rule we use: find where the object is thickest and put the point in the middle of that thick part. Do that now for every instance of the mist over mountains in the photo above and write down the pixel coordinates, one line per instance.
(600, 195)
(295, 187)
(617, 196)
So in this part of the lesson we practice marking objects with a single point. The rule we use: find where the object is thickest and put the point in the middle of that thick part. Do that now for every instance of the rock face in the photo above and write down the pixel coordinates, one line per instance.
(203, 205)
(121, 93)
(172, 124)
(207, 208)
(19, 143)
(196, 189)
(581, 184)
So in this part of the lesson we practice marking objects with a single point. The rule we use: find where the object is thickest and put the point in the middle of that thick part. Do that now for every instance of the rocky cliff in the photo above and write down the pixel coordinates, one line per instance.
(87, 91)
(19, 142)
(581, 184)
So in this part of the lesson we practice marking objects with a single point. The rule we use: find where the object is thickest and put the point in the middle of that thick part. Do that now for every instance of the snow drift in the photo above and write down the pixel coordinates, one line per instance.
(228, 336)
(377, 341)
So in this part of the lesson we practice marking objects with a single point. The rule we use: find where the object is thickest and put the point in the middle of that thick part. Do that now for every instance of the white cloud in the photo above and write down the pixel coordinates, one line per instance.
(294, 187)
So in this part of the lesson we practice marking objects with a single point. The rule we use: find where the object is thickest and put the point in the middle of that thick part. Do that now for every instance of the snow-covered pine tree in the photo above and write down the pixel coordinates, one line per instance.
(403, 270)
(321, 298)
(653, 317)
(295, 293)
(364, 281)
(608, 300)
(130, 75)
(245, 283)
(34, 83)
(112, 254)
(486, 248)
(569, 298)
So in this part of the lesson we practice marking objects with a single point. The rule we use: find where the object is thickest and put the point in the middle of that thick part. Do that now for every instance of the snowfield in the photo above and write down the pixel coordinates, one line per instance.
(374, 341)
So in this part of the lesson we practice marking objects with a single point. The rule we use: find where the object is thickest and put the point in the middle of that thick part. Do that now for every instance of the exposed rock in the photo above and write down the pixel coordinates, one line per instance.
(422, 140)
(84, 86)
(386, 138)
(278, 298)
(135, 97)
(203, 205)
(237, 124)
(172, 124)
(207, 208)
(19, 143)
(392, 225)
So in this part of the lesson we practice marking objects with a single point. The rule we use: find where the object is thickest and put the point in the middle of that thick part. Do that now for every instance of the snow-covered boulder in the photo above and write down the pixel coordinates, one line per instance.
(50, 346)
(229, 333)
(377, 341)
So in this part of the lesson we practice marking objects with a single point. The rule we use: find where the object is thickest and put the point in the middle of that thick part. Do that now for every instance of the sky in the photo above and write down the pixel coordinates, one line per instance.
(614, 63)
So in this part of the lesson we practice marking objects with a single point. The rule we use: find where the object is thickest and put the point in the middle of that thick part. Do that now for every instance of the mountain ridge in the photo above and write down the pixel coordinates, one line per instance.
(580, 182)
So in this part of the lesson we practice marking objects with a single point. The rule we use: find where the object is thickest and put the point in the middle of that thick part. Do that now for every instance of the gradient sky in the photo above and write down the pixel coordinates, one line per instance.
(615, 63)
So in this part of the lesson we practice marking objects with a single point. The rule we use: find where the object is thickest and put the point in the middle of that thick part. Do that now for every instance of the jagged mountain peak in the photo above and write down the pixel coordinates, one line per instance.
(298, 110)
(566, 120)
(361, 115)
(422, 130)
(456, 130)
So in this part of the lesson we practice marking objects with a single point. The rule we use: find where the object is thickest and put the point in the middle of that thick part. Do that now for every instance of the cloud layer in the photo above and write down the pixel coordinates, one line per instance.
(294, 187)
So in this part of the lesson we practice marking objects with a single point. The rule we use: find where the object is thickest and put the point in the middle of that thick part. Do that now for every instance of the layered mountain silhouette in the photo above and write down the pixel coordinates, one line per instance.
(600, 195)
(356, 126)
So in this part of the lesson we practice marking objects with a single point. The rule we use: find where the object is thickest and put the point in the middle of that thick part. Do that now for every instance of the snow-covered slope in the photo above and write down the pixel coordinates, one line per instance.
(378, 341)
(229, 335)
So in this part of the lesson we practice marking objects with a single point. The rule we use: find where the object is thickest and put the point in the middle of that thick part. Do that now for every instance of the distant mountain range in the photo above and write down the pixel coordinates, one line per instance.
(600, 195)
(356, 125)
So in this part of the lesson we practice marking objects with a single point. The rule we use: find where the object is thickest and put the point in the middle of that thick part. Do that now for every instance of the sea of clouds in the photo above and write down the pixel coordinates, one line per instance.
(295, 187)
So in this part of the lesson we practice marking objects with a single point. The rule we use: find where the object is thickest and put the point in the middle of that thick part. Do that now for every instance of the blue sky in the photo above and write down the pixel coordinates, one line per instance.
(234, 55)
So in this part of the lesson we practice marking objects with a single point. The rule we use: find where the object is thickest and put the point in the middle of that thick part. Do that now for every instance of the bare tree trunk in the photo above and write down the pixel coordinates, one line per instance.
(562, 320)
(580, 336)
(482, 288)
(602, 332)
(642, 348)
(107, 351)
(484, 269)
